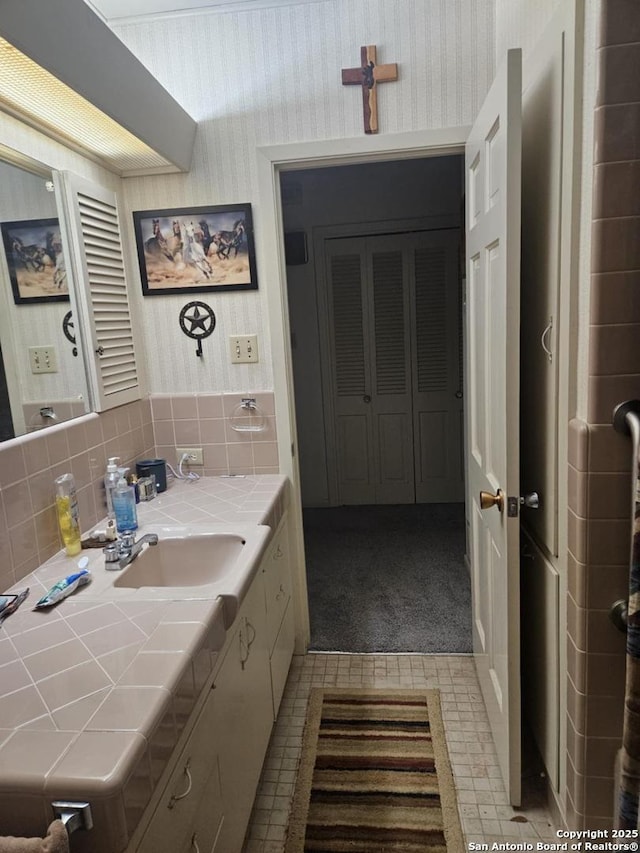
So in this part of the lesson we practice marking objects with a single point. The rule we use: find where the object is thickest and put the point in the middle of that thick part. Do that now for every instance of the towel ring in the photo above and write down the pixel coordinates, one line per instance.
(248, 417)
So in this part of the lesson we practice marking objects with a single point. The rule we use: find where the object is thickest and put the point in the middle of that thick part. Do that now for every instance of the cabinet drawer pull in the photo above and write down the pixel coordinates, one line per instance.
(281, 594)
(278, 554)
(244, 650)
(251, 632)
(194, 843)
(175, 797)
(253, 635)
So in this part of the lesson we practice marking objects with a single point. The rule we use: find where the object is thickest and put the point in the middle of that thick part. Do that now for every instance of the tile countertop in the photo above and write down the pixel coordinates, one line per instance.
(94, 694)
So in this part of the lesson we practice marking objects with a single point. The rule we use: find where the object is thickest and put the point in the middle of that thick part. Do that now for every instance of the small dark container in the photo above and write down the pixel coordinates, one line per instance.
(156, 468)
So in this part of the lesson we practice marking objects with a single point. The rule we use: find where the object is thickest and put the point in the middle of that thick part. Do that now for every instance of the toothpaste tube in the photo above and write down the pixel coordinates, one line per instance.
(64, 588)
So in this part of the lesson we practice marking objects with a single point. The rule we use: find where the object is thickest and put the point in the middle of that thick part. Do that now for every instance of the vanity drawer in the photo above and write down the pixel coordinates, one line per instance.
(277, 584)
(194, 778)
(203, 835)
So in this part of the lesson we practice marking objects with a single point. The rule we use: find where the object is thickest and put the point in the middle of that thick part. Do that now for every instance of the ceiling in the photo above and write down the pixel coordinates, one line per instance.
(119, 10)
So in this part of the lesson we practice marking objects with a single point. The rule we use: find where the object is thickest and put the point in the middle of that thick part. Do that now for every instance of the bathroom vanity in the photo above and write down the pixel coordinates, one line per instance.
(154, 705)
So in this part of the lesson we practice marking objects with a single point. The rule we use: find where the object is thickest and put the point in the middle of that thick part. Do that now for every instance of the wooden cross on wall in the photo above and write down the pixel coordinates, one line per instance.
(368, 75)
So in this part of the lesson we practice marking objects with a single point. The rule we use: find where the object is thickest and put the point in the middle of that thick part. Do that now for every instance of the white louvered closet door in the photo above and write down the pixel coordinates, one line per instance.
(348, 420)
(390, 356)
(394, 422)
(437, 366)
(101, 290)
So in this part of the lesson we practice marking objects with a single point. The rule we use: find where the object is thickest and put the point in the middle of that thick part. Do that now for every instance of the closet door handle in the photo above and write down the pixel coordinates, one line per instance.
(366, 399)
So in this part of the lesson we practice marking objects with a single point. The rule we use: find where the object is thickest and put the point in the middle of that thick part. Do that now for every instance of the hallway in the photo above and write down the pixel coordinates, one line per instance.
(485, 813)
(388, 579)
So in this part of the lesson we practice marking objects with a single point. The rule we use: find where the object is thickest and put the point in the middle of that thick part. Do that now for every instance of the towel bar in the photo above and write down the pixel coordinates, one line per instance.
(74, 815)
(626, 420)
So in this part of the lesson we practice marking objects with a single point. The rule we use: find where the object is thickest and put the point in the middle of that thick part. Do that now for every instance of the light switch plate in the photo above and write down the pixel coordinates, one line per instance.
(243, 349)
(43, 359)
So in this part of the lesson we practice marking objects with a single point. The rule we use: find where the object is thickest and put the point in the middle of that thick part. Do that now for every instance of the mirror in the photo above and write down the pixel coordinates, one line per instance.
(42, 374)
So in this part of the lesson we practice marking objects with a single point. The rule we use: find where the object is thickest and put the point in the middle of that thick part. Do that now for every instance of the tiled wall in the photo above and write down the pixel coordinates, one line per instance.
(600, 459)
(28, 465)
(207, 420)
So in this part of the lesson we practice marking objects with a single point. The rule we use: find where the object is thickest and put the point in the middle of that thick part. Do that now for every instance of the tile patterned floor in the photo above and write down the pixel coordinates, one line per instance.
(485, 813)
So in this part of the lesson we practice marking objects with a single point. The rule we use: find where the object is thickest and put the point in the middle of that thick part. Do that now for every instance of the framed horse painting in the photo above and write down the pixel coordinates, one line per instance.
(33, 250)
(196, 249)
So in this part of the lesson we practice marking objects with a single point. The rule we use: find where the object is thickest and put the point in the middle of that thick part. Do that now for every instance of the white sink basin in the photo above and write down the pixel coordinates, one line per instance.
(185, 561)
(202, 560)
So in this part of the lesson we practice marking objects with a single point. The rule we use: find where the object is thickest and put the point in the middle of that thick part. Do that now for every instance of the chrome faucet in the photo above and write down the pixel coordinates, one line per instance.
(130, 550)
(126, 549)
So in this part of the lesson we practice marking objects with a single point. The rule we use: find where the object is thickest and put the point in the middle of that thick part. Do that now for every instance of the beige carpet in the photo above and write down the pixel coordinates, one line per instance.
(374, 776)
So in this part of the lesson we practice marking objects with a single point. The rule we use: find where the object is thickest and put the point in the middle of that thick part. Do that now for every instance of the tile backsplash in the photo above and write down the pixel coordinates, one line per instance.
(207, 421)
(152, 427)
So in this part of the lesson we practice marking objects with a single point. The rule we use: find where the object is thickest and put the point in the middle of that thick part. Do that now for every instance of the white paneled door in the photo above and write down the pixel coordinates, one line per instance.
(393, 401)
(493, 167)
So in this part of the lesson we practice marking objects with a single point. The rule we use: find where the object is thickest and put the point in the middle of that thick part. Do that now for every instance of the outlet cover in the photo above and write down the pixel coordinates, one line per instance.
(194, 453)
(243, 349)
(43, 359)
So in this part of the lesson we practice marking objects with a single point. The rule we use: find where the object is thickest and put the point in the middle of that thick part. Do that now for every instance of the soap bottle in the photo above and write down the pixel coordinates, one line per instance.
(124, 504)
(110, 482)
(68, 515)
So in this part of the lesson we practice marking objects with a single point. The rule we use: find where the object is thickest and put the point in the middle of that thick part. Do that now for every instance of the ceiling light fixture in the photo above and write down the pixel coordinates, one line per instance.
(81, 85)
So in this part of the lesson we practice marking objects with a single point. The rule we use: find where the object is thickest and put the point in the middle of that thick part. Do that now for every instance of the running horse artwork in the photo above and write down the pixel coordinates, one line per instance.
(31, 257)
(157, 243)
(33, 251)
(193, 253)
(228, 240)
(196, 249)
(54, 251)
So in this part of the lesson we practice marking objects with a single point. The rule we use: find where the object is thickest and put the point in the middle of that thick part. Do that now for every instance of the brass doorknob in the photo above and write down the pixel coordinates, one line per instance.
(487, 500)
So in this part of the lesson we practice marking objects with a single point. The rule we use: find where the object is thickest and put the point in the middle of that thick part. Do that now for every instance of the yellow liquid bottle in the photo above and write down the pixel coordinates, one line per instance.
(67, 511)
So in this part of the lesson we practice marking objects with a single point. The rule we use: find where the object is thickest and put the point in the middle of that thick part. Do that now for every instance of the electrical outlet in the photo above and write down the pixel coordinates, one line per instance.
(243, 349)
(194, 453)
(43, 359)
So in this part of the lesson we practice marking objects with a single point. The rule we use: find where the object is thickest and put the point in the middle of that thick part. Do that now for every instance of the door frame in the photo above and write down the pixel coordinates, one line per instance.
(271, 162)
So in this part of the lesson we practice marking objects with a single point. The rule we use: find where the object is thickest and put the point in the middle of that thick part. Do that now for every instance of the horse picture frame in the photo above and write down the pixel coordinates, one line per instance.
(196, 249)
(35, 261)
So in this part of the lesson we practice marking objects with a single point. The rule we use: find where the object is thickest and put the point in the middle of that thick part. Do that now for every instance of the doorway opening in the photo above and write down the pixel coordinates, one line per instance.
(374, 279)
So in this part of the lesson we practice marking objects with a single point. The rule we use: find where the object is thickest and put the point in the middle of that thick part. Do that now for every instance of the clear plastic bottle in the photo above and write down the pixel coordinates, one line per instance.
(68, 515)
(124, 504)
(110, 482)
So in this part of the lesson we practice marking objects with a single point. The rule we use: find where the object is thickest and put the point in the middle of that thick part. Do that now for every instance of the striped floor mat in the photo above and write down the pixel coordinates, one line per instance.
(374, 776)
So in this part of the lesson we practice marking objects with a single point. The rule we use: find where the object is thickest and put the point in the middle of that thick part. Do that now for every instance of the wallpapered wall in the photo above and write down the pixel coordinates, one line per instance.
(272, 76)
(520, 23)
